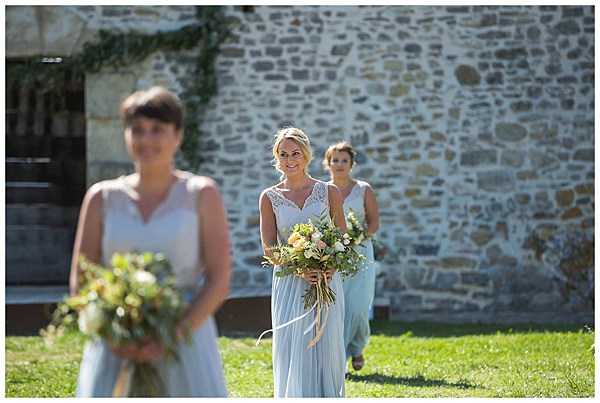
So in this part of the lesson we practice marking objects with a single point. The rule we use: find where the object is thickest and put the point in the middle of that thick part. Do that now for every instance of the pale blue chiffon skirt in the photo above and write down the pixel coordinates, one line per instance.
(359, 292)
(198, 373)
(299, 371)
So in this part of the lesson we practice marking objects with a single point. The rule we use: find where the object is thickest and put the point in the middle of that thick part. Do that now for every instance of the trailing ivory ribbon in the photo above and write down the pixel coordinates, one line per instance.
(320, 329)
(123, 382)
(316, 323)
(287, 323)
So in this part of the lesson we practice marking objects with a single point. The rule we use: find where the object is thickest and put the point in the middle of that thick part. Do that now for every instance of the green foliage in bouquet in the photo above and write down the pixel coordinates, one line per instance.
(131, 302)
(356, 230)
(318, 246)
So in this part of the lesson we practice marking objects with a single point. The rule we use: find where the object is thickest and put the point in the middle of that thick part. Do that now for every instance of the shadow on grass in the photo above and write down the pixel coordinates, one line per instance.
(428, 329)
(418, 380)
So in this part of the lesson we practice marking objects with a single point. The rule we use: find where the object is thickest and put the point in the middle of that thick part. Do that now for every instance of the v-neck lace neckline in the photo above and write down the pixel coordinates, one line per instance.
(312, 192)
(135, 206)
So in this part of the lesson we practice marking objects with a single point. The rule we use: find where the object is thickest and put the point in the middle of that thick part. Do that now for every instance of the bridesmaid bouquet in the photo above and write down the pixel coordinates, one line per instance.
(356, 230)
(128, 303)
(311, 246)
(317, 246)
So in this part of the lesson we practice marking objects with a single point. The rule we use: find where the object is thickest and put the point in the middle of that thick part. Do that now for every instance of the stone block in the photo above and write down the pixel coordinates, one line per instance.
(541, 160)
(510, 132)
(568, 27)
(584, 154)
(427, 170)
(341, 50)
(104, 93)
(22, 32)
(585, 188)
(475, 279)
(261, 66)
(482, 236)
(445, 280)
(496, 181)
(399, 90)
(571, 213)
(467, 75)
(478, 158)
(105, 141)
(564, 197)
(457, 262)
(425, 249)
(61, 30)
(512, 158)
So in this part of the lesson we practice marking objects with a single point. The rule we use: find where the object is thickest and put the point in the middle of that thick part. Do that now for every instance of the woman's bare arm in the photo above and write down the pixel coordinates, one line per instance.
(268, 224)
(88, 238)
(215, 253)
(371, 211)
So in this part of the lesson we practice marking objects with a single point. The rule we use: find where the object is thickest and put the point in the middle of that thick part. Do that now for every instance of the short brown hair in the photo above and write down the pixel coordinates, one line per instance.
(155, 103)
(341, 146)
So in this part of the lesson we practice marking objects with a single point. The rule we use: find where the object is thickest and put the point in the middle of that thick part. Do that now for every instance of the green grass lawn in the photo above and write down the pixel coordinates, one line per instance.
(402, 360)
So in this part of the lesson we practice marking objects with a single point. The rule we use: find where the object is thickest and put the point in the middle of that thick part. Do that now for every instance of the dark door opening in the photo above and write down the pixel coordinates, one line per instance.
(45, 176)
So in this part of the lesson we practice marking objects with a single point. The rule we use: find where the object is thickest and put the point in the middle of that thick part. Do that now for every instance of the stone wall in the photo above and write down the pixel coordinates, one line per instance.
(474, 125)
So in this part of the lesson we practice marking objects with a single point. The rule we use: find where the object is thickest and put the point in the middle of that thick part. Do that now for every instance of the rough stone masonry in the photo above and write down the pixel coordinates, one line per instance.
(474, 125)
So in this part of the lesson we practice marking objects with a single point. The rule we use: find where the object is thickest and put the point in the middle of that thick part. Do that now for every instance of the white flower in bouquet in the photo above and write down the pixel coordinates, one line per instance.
(90, 319)
(123, 303)
(316, 246)
(356, 230)
(144, 278)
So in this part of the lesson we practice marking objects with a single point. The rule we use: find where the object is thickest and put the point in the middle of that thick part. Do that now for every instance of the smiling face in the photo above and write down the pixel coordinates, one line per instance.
(340, 164)
(290, 159)
(151, 142)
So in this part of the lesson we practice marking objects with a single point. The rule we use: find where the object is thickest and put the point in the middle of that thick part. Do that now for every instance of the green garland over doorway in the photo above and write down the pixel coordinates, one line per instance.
(119, 49)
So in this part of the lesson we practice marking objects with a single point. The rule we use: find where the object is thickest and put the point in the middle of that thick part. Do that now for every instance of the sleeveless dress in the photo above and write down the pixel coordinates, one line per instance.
(359, 290)
(298, 371)
(172, 229)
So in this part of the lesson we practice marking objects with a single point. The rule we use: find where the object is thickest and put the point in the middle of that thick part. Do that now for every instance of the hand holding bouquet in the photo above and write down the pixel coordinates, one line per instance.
(133, 302)
(316, 246)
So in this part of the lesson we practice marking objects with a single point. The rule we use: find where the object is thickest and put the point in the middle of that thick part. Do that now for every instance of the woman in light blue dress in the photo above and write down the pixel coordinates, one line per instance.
(359, 290)
(300, 371)
(159, 209)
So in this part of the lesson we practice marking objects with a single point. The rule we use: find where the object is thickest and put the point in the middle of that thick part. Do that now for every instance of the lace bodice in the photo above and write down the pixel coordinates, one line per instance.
(172, 228)
(287, 213)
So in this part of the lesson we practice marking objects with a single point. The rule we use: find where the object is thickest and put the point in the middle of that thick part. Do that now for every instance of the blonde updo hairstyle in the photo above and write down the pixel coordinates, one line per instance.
(292, 133)
(342, 146)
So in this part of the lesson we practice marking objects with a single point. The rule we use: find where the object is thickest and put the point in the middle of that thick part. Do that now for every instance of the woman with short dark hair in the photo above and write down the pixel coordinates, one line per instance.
(162, 210)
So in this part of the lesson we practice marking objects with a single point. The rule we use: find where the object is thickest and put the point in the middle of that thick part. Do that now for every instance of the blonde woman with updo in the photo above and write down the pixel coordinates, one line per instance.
(359, 290)
(299, 371)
